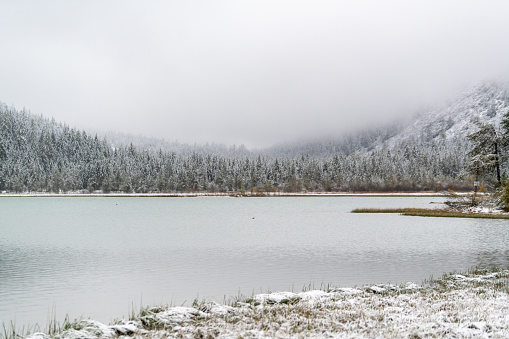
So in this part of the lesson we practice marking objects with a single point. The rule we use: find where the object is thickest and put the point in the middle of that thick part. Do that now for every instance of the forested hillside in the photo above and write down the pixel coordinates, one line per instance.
(448, 123)
(458, 117)
(428, 153)
(39, 155)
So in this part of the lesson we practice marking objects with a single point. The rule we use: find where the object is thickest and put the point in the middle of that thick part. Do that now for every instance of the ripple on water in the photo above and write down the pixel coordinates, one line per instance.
(97, 257)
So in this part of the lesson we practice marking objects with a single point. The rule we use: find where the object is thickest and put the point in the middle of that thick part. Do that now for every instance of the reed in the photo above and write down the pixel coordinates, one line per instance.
(426, 212)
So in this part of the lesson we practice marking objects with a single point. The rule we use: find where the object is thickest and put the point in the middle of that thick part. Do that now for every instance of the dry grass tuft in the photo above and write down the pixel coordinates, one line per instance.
(425, 212)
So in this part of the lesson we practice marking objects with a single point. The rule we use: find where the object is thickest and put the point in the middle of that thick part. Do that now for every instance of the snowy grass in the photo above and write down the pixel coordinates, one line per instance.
(425, 212)
(472, 304)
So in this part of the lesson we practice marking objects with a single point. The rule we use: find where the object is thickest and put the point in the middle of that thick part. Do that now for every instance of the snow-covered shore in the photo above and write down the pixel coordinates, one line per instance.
(229, 194)
(457, 306)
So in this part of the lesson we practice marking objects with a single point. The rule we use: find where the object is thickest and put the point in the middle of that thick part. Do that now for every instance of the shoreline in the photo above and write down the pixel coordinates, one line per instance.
(441, 213)
(228, 194)
(473, 304)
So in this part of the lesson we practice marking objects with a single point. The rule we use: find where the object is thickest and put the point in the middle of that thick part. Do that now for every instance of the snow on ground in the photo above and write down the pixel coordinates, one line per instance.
(227, 194)
(456, 306)
(485, 210)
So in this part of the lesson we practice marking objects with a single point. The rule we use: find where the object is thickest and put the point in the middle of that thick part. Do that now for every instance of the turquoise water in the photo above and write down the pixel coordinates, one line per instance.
(102, 257)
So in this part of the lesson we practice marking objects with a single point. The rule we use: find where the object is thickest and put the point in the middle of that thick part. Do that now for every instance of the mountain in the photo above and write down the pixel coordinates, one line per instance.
(428, 151)
(447, 124)
(457, 118)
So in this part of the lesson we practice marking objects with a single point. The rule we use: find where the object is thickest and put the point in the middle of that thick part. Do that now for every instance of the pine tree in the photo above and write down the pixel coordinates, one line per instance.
(504, 125)
(485, 156)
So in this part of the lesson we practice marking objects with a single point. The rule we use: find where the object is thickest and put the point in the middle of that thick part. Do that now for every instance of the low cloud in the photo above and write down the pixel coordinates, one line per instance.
(252, 73)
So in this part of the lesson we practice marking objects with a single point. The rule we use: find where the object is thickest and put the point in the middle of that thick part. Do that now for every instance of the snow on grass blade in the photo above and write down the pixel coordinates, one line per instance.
(472, 304)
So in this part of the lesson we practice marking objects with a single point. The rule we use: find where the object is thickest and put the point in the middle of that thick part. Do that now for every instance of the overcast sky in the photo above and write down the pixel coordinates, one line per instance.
(244, 72)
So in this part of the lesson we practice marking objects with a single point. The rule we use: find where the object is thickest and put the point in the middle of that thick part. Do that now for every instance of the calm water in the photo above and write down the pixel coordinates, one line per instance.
(100, 257)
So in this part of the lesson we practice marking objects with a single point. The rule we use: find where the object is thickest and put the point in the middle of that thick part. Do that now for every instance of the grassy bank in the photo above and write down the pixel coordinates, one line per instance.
(473, 304)
(424, 212)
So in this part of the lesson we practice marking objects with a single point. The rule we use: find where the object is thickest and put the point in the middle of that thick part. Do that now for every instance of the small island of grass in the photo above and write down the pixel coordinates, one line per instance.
(427, 212)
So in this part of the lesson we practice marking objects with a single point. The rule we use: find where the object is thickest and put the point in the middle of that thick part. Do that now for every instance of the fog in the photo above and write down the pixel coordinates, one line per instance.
(244, 72)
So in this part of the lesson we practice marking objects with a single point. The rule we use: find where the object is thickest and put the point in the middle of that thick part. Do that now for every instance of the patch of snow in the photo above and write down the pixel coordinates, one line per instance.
(217, 309)
(128, 328)
(347, 290)
(276, 297)
(375, 289)
(177, 314)
(38, 335)
(97, 328)
(314, 295)
(485, 210)
(411, 286)
(478, 278)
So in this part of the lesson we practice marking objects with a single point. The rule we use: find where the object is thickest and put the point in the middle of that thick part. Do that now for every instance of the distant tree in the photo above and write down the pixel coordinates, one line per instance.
(485, 156)
(504, 126)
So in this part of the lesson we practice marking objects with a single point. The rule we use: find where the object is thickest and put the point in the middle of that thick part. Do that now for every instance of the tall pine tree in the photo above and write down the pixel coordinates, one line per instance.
(485, 156)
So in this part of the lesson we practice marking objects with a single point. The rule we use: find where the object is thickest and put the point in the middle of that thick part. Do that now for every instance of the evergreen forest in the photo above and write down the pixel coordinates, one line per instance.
(38, 154)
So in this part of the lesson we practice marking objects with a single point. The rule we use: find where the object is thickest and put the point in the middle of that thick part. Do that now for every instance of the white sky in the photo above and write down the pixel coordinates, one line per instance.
(244, 72)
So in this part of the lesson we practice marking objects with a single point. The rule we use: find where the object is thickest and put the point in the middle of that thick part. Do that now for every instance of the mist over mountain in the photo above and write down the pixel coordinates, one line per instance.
(448, 123)
(428, 151)
(154, 145)
(458, 117)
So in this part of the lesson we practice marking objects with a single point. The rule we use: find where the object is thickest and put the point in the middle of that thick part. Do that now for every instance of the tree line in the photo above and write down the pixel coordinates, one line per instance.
(41, 155)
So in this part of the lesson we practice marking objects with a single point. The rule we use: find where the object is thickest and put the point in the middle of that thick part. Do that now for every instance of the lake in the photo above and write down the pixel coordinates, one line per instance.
(102, 257)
